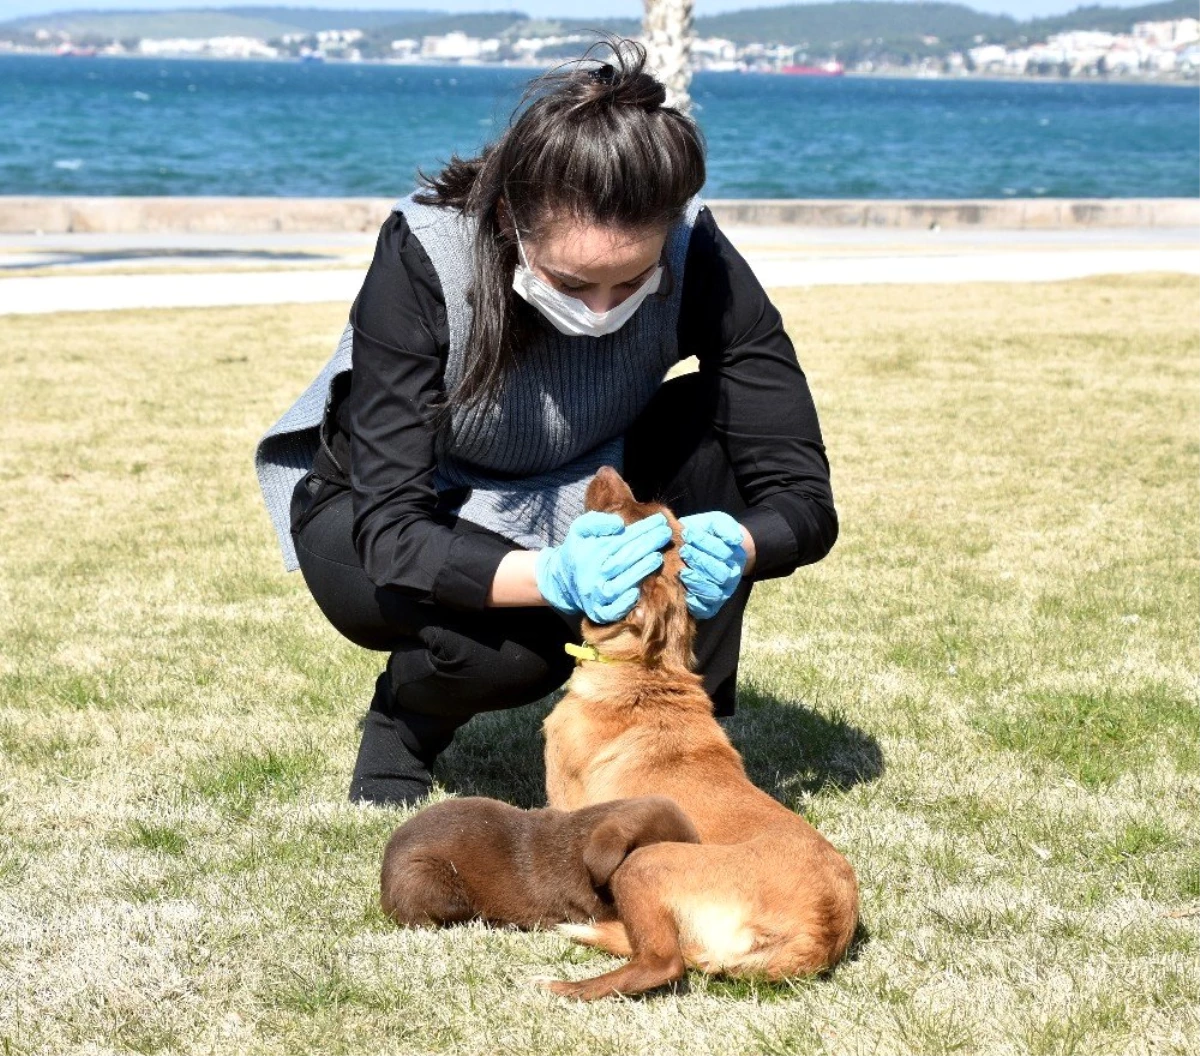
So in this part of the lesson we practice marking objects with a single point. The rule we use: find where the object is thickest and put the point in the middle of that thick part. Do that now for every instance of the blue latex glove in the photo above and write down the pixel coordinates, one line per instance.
(598, 567)
(714, 558)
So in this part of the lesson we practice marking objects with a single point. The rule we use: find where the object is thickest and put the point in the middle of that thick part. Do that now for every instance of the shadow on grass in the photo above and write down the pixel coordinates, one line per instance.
(789, 750)
(499, 754)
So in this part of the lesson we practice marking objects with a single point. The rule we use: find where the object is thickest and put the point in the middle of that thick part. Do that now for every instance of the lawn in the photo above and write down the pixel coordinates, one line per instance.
(987, 696)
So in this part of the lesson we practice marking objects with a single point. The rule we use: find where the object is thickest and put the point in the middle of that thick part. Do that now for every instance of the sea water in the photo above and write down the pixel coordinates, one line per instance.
(108, 126)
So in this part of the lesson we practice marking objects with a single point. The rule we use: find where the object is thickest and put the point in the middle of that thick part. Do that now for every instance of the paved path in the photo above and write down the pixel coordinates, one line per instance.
(329, 268)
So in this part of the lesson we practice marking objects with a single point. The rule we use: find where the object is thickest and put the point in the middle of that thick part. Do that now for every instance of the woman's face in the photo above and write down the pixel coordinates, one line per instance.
(601, 266)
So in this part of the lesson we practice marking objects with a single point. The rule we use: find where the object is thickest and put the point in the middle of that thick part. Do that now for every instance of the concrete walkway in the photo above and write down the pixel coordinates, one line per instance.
(306, 268)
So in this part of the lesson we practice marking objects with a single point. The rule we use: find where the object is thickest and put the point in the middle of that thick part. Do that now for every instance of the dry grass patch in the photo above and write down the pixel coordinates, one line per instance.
(987, 696)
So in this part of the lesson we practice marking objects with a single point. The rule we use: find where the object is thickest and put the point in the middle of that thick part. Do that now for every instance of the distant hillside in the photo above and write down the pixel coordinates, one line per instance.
(508, 26)
(483, 24)
(822, 25)
(1109, 19)
(845, 26)
(120, 25)
(849, 25)
(315, 18)
(262, 22)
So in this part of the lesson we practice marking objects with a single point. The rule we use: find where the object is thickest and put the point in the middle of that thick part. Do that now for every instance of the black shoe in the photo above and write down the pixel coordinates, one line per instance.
(397, 753)
(386, 771)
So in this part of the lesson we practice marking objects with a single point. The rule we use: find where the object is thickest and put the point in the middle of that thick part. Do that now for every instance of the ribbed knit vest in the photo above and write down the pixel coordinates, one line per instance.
(561, 413)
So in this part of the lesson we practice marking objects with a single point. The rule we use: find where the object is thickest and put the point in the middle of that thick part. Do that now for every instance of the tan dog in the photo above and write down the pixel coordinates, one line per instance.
(764, 894)
(476, 858)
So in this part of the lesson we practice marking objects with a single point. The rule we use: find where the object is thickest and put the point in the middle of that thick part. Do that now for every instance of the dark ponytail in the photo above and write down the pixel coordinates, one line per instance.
(593, 142)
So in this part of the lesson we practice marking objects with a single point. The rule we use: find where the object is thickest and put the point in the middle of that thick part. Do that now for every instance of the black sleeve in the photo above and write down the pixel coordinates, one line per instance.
(400, 346)
(764, 413)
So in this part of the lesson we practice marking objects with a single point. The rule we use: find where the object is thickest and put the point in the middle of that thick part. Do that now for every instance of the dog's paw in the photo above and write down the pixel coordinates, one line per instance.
(584, 990)
(575, 991)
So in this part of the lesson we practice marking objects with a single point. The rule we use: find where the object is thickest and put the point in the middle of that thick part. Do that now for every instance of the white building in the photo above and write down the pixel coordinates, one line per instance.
(1174, 34)
(217, 47)
(527, 49)
(989, 56)
(339, 37)
(458, 47)
(173, 46)
(1123, 57)
(1083, 49)
(717, 48)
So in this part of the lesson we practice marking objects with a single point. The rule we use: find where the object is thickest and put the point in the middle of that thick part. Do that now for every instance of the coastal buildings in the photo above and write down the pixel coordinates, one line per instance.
(1152, 48)
(1156, 50)
(210, 47)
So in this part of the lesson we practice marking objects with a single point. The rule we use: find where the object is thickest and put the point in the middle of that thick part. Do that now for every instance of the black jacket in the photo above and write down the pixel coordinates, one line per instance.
(378, 441)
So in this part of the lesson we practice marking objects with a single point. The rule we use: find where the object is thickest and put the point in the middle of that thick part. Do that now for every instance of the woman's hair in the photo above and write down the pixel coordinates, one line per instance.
(591, 142)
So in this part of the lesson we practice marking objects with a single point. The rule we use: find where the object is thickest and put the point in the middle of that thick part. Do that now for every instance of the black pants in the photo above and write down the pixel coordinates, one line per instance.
(447, 665)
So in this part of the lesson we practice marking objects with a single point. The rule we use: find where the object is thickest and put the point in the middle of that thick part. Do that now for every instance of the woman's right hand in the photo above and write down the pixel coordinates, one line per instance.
(599, 565)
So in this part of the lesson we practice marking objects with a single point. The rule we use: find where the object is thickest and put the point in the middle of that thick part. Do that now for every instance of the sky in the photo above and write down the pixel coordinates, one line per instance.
(17, 8)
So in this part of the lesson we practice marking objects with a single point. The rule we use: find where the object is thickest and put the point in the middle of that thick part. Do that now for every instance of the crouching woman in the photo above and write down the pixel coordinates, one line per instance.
(510, 338)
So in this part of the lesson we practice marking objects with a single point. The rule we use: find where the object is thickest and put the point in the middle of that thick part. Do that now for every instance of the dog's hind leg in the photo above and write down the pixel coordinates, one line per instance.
(607, 935)
(639, 890)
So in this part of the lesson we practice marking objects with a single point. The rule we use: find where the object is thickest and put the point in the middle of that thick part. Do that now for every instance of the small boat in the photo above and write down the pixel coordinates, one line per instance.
(833, 68)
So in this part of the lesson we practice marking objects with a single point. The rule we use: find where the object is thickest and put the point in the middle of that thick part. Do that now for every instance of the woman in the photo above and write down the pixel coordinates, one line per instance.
(511, 337)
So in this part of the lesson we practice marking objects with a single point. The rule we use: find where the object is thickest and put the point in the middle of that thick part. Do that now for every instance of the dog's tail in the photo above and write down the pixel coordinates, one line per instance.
(608, 935)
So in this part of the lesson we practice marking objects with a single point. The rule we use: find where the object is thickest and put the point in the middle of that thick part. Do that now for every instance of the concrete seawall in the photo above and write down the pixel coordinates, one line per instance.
(49, 215)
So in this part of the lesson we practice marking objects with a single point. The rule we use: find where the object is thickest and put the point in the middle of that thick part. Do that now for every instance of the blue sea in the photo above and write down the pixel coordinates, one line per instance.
(109, 126)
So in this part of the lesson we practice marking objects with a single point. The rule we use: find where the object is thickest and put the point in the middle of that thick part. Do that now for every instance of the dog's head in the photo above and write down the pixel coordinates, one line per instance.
(660, 630)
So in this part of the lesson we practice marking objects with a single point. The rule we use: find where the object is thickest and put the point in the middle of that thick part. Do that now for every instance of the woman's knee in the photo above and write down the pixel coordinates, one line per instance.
(346, 598)
(461, 671)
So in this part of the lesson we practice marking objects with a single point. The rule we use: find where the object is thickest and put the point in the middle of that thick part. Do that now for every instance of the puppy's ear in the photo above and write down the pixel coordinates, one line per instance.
(608, 493)
(606, 850)
(635, 823)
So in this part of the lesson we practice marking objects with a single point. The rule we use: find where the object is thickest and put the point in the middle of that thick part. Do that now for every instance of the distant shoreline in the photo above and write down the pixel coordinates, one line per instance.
(899, 73)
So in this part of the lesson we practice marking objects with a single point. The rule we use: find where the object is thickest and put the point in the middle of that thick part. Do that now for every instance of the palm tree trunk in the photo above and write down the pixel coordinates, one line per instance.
(668, 30)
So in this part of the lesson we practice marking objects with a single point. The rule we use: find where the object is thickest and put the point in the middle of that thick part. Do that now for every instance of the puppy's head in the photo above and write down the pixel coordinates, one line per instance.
(659, 630)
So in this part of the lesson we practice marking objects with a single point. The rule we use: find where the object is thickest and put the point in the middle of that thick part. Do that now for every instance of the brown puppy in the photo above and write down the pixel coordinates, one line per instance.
(765, 894)
(467, 859)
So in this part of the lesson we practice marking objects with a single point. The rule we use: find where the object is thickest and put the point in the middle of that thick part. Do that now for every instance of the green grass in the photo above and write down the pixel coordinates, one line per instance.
(986, 696)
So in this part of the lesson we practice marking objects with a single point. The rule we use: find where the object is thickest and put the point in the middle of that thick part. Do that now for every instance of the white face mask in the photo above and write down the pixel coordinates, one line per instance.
(569, 315)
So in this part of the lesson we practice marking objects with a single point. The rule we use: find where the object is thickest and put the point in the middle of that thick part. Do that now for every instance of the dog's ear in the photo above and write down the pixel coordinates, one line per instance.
(608, 493)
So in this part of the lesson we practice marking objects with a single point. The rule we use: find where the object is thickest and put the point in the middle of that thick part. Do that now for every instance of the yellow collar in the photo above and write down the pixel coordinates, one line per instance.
(586, 652)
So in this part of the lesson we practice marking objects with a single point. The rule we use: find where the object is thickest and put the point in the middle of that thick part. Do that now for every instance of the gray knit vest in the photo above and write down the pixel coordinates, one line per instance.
(528, 456)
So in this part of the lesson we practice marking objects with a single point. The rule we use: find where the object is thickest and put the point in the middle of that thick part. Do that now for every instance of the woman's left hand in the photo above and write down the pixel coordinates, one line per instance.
(714, 558)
